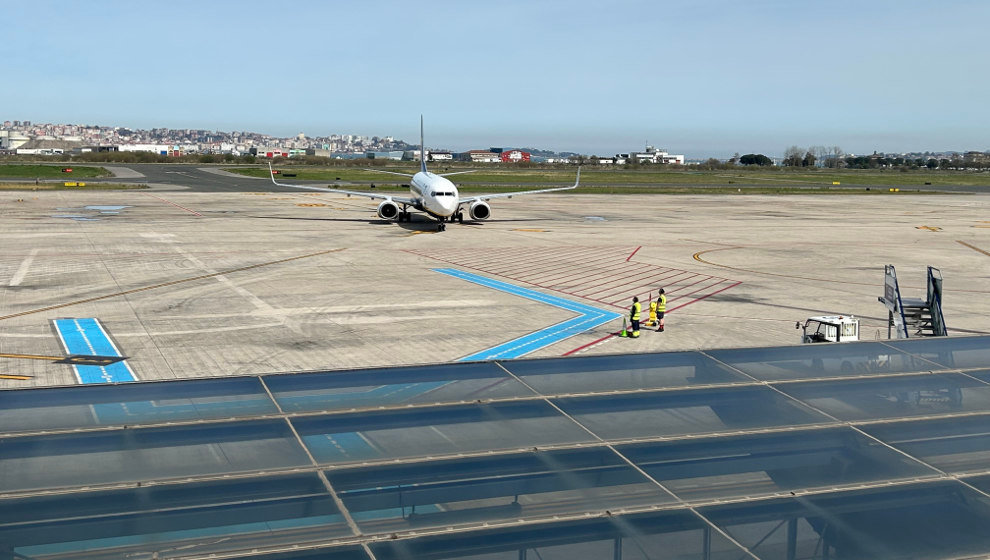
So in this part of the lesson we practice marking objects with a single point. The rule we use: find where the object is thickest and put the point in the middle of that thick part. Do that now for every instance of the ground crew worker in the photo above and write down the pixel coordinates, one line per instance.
(661, 308)
(634, 317)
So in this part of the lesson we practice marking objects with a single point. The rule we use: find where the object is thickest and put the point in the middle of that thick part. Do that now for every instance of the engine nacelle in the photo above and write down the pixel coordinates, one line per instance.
(388, 210)
(480, 210)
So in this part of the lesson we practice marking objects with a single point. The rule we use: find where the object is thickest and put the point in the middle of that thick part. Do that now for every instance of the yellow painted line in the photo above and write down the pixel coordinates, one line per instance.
(929, 228)
(421, 232)
(164, 284)
(15, 377)
(977, 249)
(32, 357)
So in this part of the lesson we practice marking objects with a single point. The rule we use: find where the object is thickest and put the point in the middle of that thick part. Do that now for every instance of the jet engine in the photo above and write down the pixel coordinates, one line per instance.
(388, 210)
(480, 210)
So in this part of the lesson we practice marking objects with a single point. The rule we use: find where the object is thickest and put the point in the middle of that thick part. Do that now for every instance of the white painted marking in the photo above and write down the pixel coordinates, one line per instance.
(65, 351)
(263, 308)
(106, 335)
(22, 271)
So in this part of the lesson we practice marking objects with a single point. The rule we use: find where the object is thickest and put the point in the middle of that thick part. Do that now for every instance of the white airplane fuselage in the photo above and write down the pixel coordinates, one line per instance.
(437, 195)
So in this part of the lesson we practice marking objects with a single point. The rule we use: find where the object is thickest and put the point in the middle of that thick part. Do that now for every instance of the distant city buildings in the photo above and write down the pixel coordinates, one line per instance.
(14, 135)
(25, 137)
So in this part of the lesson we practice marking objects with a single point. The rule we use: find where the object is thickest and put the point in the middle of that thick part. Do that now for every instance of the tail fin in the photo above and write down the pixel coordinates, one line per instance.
(422, 147)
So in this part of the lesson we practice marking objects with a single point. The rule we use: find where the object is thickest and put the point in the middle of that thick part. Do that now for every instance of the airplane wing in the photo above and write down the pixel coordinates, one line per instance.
(470, 199)
(372, 196)
(457, 173)
(389, 172)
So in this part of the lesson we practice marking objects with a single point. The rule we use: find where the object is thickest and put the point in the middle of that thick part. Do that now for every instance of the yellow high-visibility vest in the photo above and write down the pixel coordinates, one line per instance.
(634, 313)
(662, 304)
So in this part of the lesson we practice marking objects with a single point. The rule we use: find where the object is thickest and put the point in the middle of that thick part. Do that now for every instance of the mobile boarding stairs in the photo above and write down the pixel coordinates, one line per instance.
(913, 317)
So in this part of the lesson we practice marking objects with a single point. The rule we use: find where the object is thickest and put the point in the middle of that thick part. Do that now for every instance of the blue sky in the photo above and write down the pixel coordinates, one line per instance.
(702, 78)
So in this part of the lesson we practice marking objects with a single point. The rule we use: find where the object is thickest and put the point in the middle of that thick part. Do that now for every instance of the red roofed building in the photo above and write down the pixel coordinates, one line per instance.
(515, 156)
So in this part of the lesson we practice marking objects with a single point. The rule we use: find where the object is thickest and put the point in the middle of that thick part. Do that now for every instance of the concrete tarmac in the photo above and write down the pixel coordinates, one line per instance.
(202, 276)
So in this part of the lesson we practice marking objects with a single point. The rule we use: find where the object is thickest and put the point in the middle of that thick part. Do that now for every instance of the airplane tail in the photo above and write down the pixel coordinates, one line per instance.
(422, 147)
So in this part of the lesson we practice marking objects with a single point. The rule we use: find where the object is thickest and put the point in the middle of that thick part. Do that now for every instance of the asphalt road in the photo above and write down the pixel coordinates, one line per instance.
(205, 178)
(202, 179)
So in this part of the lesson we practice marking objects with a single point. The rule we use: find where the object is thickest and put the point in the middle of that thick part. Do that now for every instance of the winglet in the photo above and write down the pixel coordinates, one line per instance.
(578, 180)
(422, 147)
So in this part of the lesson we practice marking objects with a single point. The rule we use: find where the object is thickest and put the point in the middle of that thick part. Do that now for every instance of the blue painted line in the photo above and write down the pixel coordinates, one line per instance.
(351, 446)
(87, 336)
(589, 317)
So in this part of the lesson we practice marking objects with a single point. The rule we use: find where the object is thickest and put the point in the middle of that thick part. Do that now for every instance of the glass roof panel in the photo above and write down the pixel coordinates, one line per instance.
(687, 412)
(893, 397)
(820, 360)
(136, 454)
(665, 534)
(198, 516)
(955, 445)
(616, 373)
(372, 436)
(206, 480)
(764, 464)
(981, 374)
(336, 553)
(473, 491)
(345, 390)
(949, 351)
(132, 403)
(932, 520)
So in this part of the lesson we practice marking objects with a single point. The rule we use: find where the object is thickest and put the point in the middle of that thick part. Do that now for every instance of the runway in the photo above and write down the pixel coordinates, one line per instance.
(207, 274)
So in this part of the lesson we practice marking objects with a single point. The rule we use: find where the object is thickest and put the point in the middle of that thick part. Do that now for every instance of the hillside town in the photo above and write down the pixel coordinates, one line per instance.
(47, 139)
(25, 137)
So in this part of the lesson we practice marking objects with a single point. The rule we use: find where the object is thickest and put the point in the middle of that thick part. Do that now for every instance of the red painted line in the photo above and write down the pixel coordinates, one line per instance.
(670, 298)
(543, 258)
(590, 344)
(633, 253)
(672, 295)
(583, 269)
(580, 280)
(640, 278)
(531, 263)
(174, 204)
(649, 282)
(611, 280)
(597, 263)
(581, 258)
(480, 256)
(473, 253)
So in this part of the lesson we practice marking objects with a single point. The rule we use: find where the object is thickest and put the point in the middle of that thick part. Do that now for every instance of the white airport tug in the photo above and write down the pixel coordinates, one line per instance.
(829, 328)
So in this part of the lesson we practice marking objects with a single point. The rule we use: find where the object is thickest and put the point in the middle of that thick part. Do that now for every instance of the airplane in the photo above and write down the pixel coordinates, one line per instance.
(433, 194)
